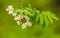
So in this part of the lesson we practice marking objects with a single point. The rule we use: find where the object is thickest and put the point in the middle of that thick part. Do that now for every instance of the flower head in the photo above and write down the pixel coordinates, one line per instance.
(10, 9)
(29, 24)
(14, 14)
(27, 18)
(20, 19)
(23, 25)
(18, 22)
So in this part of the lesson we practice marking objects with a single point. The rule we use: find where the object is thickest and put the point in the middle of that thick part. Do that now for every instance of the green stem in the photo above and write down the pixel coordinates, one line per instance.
(19, 2)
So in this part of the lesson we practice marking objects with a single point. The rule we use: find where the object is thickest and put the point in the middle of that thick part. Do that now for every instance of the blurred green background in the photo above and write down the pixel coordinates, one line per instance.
(9, 28)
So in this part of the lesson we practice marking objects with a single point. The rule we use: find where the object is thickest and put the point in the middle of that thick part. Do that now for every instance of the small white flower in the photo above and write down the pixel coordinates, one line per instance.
(21, 16)
(14, 14)
(29, 24)
(18, 17)
(10, 12)
(27, 18)
(10, 8)
(24, 26)
(18, 22)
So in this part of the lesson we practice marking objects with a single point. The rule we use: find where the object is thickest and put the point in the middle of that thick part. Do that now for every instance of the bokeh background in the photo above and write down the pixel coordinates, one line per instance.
(9, 28)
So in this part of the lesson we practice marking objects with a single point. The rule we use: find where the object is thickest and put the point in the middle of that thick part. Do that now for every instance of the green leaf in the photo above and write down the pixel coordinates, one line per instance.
(29, 9)
(37, 15)
(37, 11)
(41, 20)
(26, 12)
(53, 16)
(50, 19)
(18, 10)
(46, 21)
(37, 18)
(33, 13)
(30, 14)
(21, 12)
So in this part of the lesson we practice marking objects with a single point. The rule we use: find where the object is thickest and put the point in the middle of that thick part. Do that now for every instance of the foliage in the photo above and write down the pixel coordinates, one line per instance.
(36, 16)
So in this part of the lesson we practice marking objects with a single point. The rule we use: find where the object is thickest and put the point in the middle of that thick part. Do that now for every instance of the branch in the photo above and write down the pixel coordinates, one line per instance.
(19, 2)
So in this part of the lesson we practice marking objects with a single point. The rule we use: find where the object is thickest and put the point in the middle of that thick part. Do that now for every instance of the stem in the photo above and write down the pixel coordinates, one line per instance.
(19, 2)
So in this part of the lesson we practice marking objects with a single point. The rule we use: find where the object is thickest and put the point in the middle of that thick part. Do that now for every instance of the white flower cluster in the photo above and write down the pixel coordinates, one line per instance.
(10, 9)
(18, 18)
